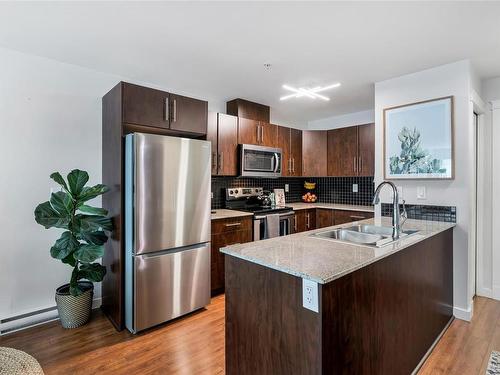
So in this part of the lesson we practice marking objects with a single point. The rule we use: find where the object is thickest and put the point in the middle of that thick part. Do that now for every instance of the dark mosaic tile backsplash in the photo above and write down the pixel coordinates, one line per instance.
(422, 212)
(328, 189)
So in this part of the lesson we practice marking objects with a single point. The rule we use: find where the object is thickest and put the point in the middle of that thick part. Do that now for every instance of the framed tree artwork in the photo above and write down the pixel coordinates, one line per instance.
(418, 140)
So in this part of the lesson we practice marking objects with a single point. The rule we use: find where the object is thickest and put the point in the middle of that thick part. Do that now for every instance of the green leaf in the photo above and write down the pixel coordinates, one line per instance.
(93, 210)
(74, 289)
(93, 272)
(77, 180)
(70, 259)
(56, 176)
(64, 246)
(89, 193)
(62, 203)
(94, 238)
(89, 253)
(92, 223)
(48, 217)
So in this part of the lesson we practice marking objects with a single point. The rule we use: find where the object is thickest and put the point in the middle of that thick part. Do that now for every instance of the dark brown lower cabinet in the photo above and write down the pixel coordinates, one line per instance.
(305, 220)
(378, 320)
(324, 217)
(342, 217)
(226, 232)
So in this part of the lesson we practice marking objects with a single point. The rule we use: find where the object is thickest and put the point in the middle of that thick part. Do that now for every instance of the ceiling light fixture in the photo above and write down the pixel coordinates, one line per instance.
(310, 93)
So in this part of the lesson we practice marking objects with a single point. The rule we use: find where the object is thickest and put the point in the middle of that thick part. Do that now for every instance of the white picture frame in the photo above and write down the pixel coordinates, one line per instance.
(418, 140)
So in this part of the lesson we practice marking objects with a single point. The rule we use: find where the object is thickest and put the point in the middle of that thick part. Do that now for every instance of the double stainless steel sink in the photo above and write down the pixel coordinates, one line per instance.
(363, 234)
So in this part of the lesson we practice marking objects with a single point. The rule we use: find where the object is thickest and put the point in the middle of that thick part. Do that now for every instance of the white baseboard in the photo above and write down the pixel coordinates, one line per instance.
(484, 292)
(34, 318)
(463, 314)
(495, 292)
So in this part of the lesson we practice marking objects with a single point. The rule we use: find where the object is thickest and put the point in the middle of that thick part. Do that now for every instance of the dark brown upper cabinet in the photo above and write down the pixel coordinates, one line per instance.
(268, 134)
(255, 132)
(283, 142)
(366, 141)
(150, 107)
(188, 114)
(248, 131)
(351, 151)
(290, 142)
(222, 131)
(314, 153)
(145, 106)
(247, 109)
(296, 151)
(343, 151)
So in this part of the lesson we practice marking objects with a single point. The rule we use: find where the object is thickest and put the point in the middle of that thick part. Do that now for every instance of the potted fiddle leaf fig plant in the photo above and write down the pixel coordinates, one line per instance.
(85, 230)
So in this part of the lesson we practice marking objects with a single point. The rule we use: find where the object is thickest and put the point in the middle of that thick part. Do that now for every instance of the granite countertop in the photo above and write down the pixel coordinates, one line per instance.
(227, 214)
(333, 206)
(323, 260)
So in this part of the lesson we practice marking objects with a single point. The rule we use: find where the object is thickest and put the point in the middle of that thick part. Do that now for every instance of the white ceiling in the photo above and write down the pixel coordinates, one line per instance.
(217, 50)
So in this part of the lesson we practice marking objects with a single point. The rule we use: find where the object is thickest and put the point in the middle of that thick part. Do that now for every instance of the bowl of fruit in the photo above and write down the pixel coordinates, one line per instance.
(309, 197)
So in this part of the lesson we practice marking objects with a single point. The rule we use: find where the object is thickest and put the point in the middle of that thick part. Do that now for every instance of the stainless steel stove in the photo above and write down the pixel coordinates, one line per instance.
(255, 200)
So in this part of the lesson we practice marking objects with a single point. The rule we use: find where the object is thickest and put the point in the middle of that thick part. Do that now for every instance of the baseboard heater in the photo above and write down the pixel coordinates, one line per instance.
(23, 321)
(34, 318)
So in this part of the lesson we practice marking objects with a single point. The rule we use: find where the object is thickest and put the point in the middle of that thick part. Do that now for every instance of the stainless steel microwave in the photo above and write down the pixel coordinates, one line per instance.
(260, 161)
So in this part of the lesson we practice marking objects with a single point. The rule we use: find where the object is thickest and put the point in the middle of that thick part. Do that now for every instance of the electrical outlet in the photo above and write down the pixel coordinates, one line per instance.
(212, 195)
(287, 188)
(421, 193)
(310, 295)
(354, 188)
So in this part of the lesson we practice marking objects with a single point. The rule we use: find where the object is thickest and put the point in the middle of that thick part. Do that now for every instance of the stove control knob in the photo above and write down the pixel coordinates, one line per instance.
(236, 191)
(230, 192)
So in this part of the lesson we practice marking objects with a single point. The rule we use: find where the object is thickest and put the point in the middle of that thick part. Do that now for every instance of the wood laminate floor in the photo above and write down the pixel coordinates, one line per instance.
(195, 345)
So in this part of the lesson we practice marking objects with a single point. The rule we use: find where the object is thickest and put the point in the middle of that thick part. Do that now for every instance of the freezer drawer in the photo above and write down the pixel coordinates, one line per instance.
(170, 284)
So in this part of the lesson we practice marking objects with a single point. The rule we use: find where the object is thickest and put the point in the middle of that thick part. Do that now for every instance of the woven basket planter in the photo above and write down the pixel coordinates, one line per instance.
(74, 311)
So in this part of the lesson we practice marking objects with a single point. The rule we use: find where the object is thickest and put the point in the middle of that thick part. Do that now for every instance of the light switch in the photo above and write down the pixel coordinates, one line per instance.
(421, 193)
(287, 188)
(354, 188)
(400, 191)
(310, 295)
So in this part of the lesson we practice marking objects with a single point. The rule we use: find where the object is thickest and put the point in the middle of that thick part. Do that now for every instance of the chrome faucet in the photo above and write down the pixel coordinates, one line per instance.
(396, 215)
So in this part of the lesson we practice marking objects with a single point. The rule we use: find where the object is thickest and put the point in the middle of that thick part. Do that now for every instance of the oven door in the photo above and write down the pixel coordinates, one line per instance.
(287, 225)
(260, 161)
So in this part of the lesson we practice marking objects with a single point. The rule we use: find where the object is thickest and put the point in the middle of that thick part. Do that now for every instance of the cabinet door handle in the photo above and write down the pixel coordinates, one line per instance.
(360, 164)
(262, 133)
(221, 164)
(166, 110)
(355, 217)
(295, 224)
(258, 133)
(354, 165)
(175, 110)
(308, 223)
(289, 165)
(214, 162)
(293, 165)
(233, 225)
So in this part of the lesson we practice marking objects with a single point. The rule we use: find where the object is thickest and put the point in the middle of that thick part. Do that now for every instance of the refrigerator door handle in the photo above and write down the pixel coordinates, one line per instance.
(172, 251)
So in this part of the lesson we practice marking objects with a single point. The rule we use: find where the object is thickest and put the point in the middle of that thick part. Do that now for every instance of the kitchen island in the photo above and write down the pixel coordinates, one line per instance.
(306, 305)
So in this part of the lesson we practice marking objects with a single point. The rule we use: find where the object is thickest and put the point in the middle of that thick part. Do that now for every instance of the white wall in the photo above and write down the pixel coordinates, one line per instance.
(452, 79)
(350, 119)
(51, 121)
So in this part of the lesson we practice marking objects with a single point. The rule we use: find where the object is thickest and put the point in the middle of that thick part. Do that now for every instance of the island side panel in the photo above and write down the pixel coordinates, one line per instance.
(383, 318)
(267, 329)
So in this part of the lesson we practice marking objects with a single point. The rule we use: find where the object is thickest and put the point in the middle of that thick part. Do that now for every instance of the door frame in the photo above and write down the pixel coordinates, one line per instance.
(478, 213)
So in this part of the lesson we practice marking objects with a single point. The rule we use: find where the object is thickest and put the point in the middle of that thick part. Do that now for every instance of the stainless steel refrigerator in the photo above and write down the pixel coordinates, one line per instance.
(167, 228)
